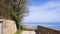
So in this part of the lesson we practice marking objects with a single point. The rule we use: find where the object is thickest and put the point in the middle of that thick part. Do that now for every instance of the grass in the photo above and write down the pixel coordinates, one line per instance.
(19, 32)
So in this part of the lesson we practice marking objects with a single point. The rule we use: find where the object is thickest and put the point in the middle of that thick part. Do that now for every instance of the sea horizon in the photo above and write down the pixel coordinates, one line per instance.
(53, 25)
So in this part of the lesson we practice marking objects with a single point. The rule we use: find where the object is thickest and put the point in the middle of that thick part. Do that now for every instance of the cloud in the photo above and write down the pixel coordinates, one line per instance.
(49, 12)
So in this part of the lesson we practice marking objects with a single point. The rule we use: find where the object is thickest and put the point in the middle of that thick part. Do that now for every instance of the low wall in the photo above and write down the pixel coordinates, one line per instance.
(9, 26)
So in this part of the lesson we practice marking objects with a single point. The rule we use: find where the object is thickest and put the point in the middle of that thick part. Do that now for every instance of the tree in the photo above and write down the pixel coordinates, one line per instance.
(13, 9)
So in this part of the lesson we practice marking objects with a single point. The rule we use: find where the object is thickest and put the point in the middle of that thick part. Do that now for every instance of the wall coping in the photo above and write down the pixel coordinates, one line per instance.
(1, 19)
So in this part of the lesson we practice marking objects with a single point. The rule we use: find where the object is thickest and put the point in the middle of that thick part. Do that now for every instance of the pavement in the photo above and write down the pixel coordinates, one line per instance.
(28, 32)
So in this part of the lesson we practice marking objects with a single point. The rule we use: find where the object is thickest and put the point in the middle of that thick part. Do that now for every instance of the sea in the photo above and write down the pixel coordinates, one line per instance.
(52, 25)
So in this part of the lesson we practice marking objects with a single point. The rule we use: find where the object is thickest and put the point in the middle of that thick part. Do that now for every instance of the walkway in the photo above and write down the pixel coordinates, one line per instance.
(28, 32)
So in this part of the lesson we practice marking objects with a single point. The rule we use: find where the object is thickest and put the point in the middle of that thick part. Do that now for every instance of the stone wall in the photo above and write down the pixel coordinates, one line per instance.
(9, 27)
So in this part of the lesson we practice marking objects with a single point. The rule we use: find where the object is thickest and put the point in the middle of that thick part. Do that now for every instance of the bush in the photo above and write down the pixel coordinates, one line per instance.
(19, 32)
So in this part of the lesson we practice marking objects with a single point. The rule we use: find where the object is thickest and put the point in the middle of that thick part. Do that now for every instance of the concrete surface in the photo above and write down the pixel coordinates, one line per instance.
(0, 28)
(28, 32)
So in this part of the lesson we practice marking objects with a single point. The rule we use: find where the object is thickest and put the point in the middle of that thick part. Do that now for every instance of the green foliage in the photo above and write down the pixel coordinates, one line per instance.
(15, 15)
(14, 10)
(19, 32)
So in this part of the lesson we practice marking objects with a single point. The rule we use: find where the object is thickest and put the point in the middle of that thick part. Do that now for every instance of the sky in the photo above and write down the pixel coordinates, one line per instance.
(43, 11)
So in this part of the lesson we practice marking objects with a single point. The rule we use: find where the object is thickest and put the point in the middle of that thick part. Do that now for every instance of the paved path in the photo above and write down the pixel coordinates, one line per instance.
(28, 32)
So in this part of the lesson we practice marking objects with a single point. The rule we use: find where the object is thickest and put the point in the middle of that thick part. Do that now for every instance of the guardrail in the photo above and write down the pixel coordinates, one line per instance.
(44, 30)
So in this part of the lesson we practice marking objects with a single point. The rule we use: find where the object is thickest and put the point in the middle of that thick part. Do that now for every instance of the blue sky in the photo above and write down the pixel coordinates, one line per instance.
(43, 11)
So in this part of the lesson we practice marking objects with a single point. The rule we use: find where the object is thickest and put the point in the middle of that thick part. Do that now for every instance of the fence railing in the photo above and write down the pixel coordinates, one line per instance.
(44, 30)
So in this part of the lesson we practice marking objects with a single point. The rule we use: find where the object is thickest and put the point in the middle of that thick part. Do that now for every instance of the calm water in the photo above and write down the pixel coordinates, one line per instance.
(54, 25)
